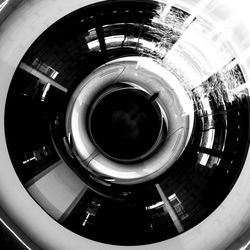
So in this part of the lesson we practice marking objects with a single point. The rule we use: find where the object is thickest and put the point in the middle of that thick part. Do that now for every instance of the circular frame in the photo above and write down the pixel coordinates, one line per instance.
(18, 32)
(173, 100)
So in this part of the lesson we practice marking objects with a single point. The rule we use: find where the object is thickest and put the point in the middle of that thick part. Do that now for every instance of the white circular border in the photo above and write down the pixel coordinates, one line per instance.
(17, 33)
(173, 100)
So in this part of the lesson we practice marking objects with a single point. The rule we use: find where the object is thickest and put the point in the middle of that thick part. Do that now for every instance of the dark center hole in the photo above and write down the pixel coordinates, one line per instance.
(125, 124)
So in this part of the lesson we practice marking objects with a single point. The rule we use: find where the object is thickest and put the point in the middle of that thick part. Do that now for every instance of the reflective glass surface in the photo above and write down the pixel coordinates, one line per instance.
(187, 192)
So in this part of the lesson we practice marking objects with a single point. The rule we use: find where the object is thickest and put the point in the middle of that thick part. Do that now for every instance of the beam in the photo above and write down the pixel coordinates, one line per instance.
(169, 209)
(42, 76)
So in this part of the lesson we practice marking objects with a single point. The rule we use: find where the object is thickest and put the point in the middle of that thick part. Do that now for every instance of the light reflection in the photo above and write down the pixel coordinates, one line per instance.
(207, 139)
(155, 206)
(44, 68)
(203, 159)
(2, 5)
(213, 162)
(94, 45)
(16, 236)
(114, 41)
(91, 212)
(178, 207)
(92, 40)
(168, 15)
(37, 155)
(45, 91)
(246, 246)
